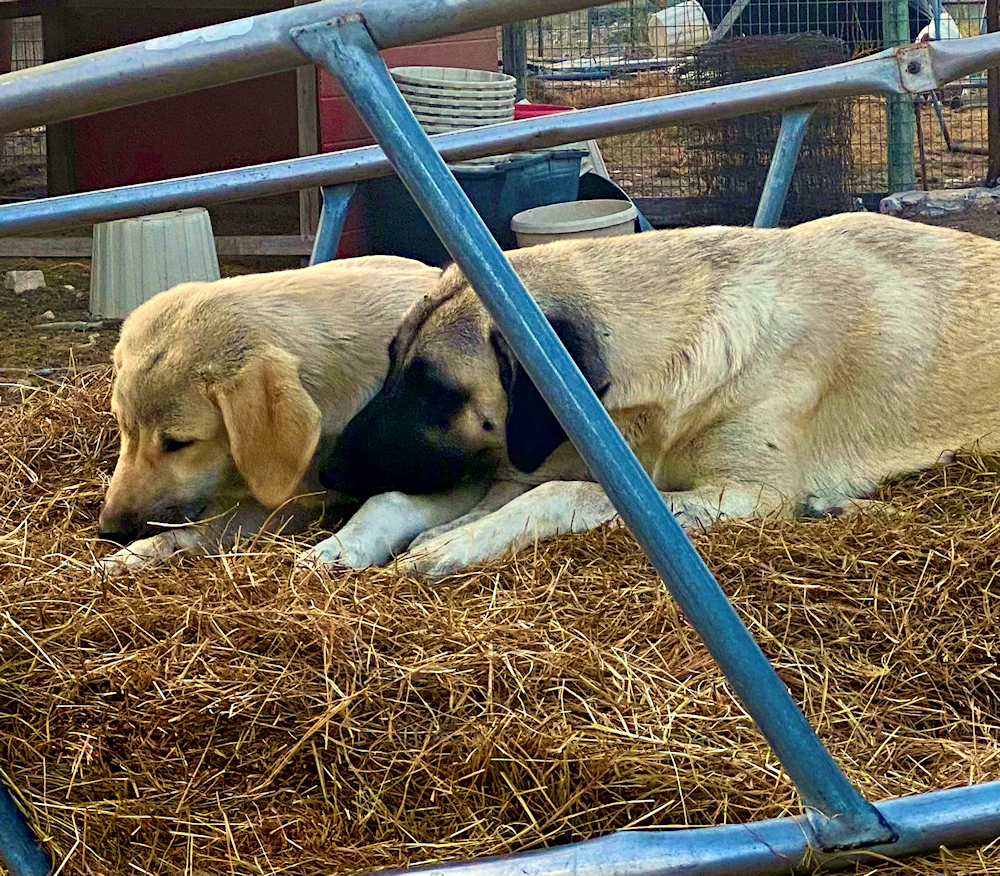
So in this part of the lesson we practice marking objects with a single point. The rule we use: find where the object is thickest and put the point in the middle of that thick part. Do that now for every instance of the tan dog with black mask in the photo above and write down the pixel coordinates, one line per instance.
(752, 371)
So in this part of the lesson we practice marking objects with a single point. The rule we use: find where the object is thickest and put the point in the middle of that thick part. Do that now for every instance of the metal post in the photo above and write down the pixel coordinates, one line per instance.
(839, 816)
(20, 851)
(779, 175)
(899, 110)
(336, 200)
(514, 51)
(993, 99)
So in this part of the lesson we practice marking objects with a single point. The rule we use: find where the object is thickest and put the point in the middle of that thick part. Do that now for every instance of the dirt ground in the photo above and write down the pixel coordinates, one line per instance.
(31, 352)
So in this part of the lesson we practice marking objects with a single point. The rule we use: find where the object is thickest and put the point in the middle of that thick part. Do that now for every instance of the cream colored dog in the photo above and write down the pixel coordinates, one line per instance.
(752, 372)
(228, 393)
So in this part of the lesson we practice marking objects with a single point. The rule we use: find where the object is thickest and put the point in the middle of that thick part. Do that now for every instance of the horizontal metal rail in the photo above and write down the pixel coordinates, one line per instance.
(229, 52)
(926, 822)
(884, 73)
(260, 45)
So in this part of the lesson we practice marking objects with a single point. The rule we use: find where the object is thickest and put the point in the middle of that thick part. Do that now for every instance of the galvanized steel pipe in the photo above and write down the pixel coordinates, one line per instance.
(952, 818)
(229, 52)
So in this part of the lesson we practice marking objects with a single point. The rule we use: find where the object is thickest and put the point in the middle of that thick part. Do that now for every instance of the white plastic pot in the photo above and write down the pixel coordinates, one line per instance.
(134, 259)
(487, 101)
(574, 219)
(482, 116)
(453, 78)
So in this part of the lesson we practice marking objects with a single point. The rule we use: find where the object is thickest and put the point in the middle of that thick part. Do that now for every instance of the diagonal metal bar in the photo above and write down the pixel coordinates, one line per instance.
(779, 175)
(839, 816)
(20, 850)
(336, 201)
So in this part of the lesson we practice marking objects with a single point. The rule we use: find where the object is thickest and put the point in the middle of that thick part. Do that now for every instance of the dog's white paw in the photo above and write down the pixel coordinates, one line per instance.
(344, 552)
(453, 551)
(146, 552)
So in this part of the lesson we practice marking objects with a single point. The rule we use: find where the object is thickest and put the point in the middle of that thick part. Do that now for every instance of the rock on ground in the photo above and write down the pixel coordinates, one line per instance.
(23, 281)
(935, 205)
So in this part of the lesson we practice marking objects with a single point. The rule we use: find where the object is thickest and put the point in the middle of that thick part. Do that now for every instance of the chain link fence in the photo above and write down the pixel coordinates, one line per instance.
(869, 145)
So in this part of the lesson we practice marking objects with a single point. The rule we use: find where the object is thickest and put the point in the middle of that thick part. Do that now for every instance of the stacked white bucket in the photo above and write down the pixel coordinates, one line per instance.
(452, 98)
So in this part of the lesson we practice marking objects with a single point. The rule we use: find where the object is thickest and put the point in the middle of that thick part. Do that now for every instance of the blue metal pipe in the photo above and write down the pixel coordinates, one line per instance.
(333, 214)
(926, 822)
(229, 52)
(841, 818)
(779, 175)
(20, 851)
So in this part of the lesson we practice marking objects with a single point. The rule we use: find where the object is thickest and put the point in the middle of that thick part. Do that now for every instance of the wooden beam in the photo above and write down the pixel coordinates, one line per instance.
(80, 247)
(60, 141)
(307, 101)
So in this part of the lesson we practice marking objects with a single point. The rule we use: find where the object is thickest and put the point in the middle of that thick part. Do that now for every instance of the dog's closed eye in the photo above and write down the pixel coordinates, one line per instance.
(172, 445)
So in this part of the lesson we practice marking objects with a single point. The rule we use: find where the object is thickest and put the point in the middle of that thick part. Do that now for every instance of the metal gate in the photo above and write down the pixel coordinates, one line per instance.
(345, 36)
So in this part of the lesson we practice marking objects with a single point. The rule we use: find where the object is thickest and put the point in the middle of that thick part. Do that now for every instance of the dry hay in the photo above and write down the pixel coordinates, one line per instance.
(227, 715)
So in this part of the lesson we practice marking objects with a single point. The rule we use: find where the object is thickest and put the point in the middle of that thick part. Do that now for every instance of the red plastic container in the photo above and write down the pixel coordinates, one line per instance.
(533, 110)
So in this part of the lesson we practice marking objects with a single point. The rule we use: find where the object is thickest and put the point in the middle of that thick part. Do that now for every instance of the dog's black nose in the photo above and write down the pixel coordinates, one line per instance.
(121, 529)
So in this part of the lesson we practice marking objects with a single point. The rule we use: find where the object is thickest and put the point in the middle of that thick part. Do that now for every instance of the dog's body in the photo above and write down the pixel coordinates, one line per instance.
(228, 393)
(752, 372)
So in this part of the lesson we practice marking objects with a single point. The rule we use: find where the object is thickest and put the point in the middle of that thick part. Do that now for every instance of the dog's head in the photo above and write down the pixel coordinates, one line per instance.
(208, 417)
(456, 405)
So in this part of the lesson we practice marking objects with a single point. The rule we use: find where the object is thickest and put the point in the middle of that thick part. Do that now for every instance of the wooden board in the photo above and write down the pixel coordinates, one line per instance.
(80, 247)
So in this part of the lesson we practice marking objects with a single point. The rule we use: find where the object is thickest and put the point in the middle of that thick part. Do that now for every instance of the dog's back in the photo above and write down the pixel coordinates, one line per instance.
(858, 345)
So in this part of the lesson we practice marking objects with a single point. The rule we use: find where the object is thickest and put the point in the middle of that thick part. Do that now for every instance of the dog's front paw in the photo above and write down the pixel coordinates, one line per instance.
(344, 552)
(327, 553)
(143, 553)
(448, 553)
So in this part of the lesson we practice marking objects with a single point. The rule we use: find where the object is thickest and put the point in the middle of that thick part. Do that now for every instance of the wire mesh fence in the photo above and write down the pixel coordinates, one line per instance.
(868, 145)
(22, 153)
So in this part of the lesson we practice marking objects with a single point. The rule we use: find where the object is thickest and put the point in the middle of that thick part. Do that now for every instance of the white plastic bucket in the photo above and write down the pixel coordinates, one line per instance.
(445, 99)
(474, 102)
(454, 114)
(133, 259)
(949, 30)
(574, 219)
(678, 30)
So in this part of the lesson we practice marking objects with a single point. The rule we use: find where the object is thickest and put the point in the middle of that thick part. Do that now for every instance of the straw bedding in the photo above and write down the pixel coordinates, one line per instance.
(230, 715)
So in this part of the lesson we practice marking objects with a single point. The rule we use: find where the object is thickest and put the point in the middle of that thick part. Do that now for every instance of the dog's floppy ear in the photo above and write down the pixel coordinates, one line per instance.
(533, 432)
(272, 423)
